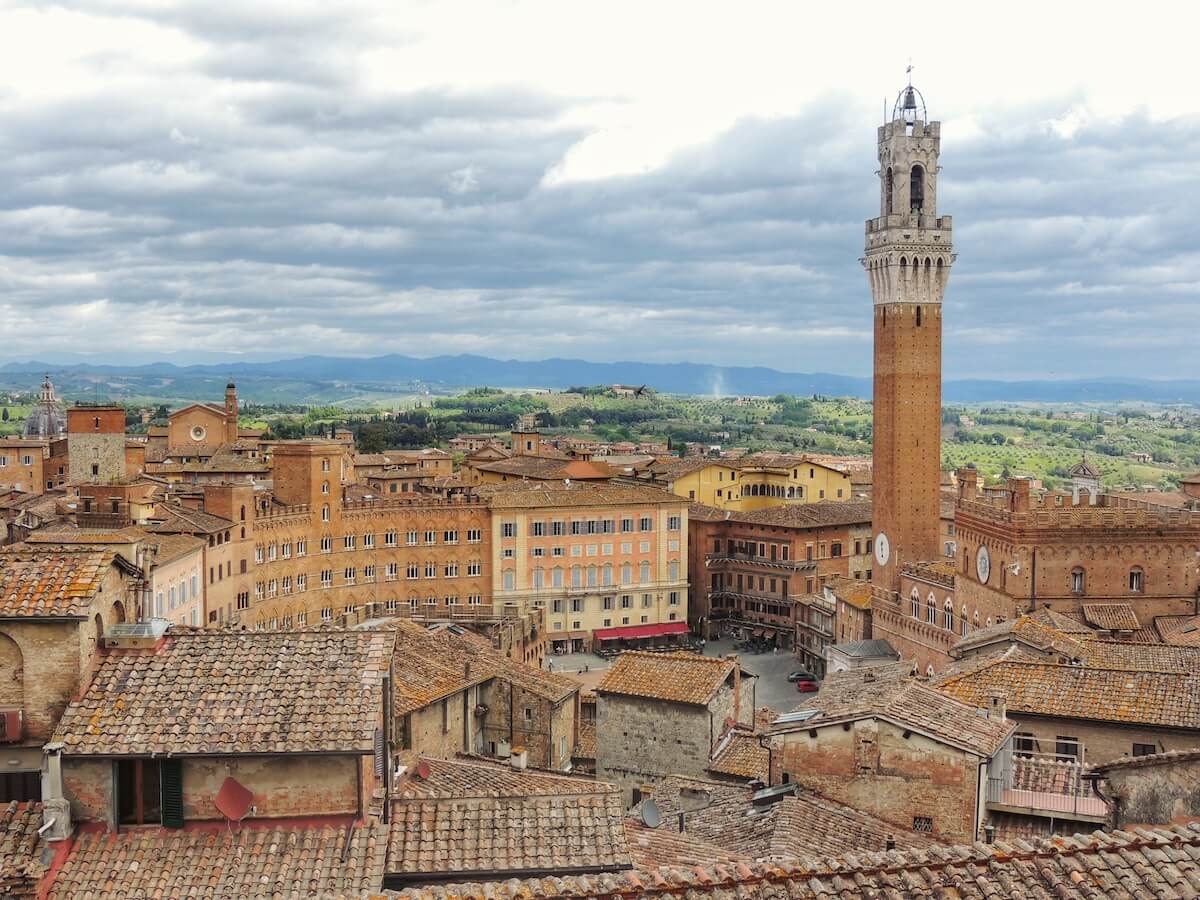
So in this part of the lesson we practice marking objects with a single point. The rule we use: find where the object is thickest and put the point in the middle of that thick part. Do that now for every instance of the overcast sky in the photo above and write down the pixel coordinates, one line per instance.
(606, 180)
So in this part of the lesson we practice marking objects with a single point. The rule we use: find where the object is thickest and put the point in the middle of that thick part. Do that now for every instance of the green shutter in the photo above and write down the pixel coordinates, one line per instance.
(171, 782)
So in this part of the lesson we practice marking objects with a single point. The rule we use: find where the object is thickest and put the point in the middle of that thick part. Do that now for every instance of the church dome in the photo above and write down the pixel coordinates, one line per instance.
(46, 420)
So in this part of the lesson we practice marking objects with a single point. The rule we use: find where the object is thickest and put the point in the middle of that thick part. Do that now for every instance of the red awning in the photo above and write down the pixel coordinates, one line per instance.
(640, 631)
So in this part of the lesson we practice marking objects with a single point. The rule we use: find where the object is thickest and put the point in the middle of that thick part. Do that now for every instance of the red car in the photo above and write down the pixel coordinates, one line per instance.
(807, 685)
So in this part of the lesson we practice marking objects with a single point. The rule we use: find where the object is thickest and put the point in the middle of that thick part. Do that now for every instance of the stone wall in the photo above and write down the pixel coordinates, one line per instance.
(439, 729)
(1155, 794)
(639, 741)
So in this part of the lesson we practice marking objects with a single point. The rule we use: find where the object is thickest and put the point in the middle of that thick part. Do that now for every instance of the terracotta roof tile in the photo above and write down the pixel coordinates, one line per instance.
(665, 846)
(674, 677)
(740, 754)
(585, 747)
(1111, 616)
(1140, 657)
(431, 664)
(1146, 864)
(220, 863)
(50, 582)
(234, 692)
(22, 850)
(823, 513)
(801, 824)
(537, 494)
(170, 518)
(1166, 699)
(479, 819)
(889, 691)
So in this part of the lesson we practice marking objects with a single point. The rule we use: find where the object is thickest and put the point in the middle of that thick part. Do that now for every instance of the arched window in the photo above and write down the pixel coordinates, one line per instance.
(929, 671)
(12, 674)
(243, 513)
(627, 573)
(1136, 580)
(931, 609)
(916, 189)
(591, 576)
(963, 620)
(948, 615)
(1078, 581)
(889, 190)
(606, 575)
(915, 602)
(918, 316)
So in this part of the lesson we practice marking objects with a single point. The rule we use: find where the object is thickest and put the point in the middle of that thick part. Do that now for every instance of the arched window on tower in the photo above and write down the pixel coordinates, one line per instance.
(888, 191)
(916, 189)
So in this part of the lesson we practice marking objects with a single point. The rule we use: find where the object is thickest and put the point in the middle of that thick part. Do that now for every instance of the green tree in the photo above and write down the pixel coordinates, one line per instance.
(4, 415)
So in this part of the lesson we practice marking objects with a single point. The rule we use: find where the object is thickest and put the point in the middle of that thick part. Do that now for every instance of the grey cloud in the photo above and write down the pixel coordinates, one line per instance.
(265, 203)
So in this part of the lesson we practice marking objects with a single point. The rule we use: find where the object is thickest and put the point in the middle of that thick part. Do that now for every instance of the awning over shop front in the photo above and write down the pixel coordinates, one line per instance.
(640, 631)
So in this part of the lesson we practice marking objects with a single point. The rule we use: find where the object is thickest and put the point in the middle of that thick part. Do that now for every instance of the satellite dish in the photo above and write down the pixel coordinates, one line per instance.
(422, 770)
(651, 817)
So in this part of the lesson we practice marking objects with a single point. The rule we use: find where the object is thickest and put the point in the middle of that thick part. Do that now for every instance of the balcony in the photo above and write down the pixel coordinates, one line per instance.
(1046, 787)
(792, 565)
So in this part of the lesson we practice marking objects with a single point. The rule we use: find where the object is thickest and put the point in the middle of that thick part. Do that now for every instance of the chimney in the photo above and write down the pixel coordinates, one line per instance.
(56, 809)
(997, 708)
(890, 842)
(518, 760)
(737, 687)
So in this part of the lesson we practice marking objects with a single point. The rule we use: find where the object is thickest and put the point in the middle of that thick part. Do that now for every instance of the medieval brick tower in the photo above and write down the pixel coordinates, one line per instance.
(908, 259)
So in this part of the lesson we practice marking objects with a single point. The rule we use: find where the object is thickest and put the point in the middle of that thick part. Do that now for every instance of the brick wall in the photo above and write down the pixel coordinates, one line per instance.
(639, 741)
(873, 767)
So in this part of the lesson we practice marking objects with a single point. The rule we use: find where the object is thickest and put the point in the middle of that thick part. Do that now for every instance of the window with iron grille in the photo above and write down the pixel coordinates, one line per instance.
(923, 824)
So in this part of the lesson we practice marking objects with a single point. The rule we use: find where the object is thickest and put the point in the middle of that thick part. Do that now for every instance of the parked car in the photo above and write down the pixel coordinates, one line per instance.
(808, 685)
(802, 675)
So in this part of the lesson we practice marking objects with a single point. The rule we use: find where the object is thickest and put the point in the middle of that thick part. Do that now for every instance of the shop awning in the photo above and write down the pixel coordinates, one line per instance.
(640, 631)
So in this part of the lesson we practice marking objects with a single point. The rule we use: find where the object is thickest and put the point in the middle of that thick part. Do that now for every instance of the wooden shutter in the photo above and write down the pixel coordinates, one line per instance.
(171, 786)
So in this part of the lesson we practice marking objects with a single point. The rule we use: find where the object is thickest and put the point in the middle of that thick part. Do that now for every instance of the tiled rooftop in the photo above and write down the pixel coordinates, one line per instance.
(1146, 864)
(823, 513)
(889, 692)
(1111, 616)
(1165, 699)
(1166, 758)
(50, 582)
(224, 863)
(234, 692)
(537, 494)
(1140, 657)
(430, 665)
(482, 820)
(739, 754)
(799, 824)
(171, 518)
(1029, 630)
(674, 677)
(654, 848)
(22, 850)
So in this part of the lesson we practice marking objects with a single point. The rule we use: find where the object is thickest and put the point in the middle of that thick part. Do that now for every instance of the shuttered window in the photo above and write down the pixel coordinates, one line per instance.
(171, 780)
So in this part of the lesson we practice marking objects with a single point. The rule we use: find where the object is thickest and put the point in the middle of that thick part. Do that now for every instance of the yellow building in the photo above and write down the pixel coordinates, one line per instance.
(753, 482)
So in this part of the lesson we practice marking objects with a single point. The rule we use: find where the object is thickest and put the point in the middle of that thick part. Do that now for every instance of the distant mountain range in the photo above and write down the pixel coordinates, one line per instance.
(324, 377)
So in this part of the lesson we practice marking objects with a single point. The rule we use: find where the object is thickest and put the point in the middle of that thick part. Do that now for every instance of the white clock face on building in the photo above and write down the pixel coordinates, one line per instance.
(983, 565)
(883, 549)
